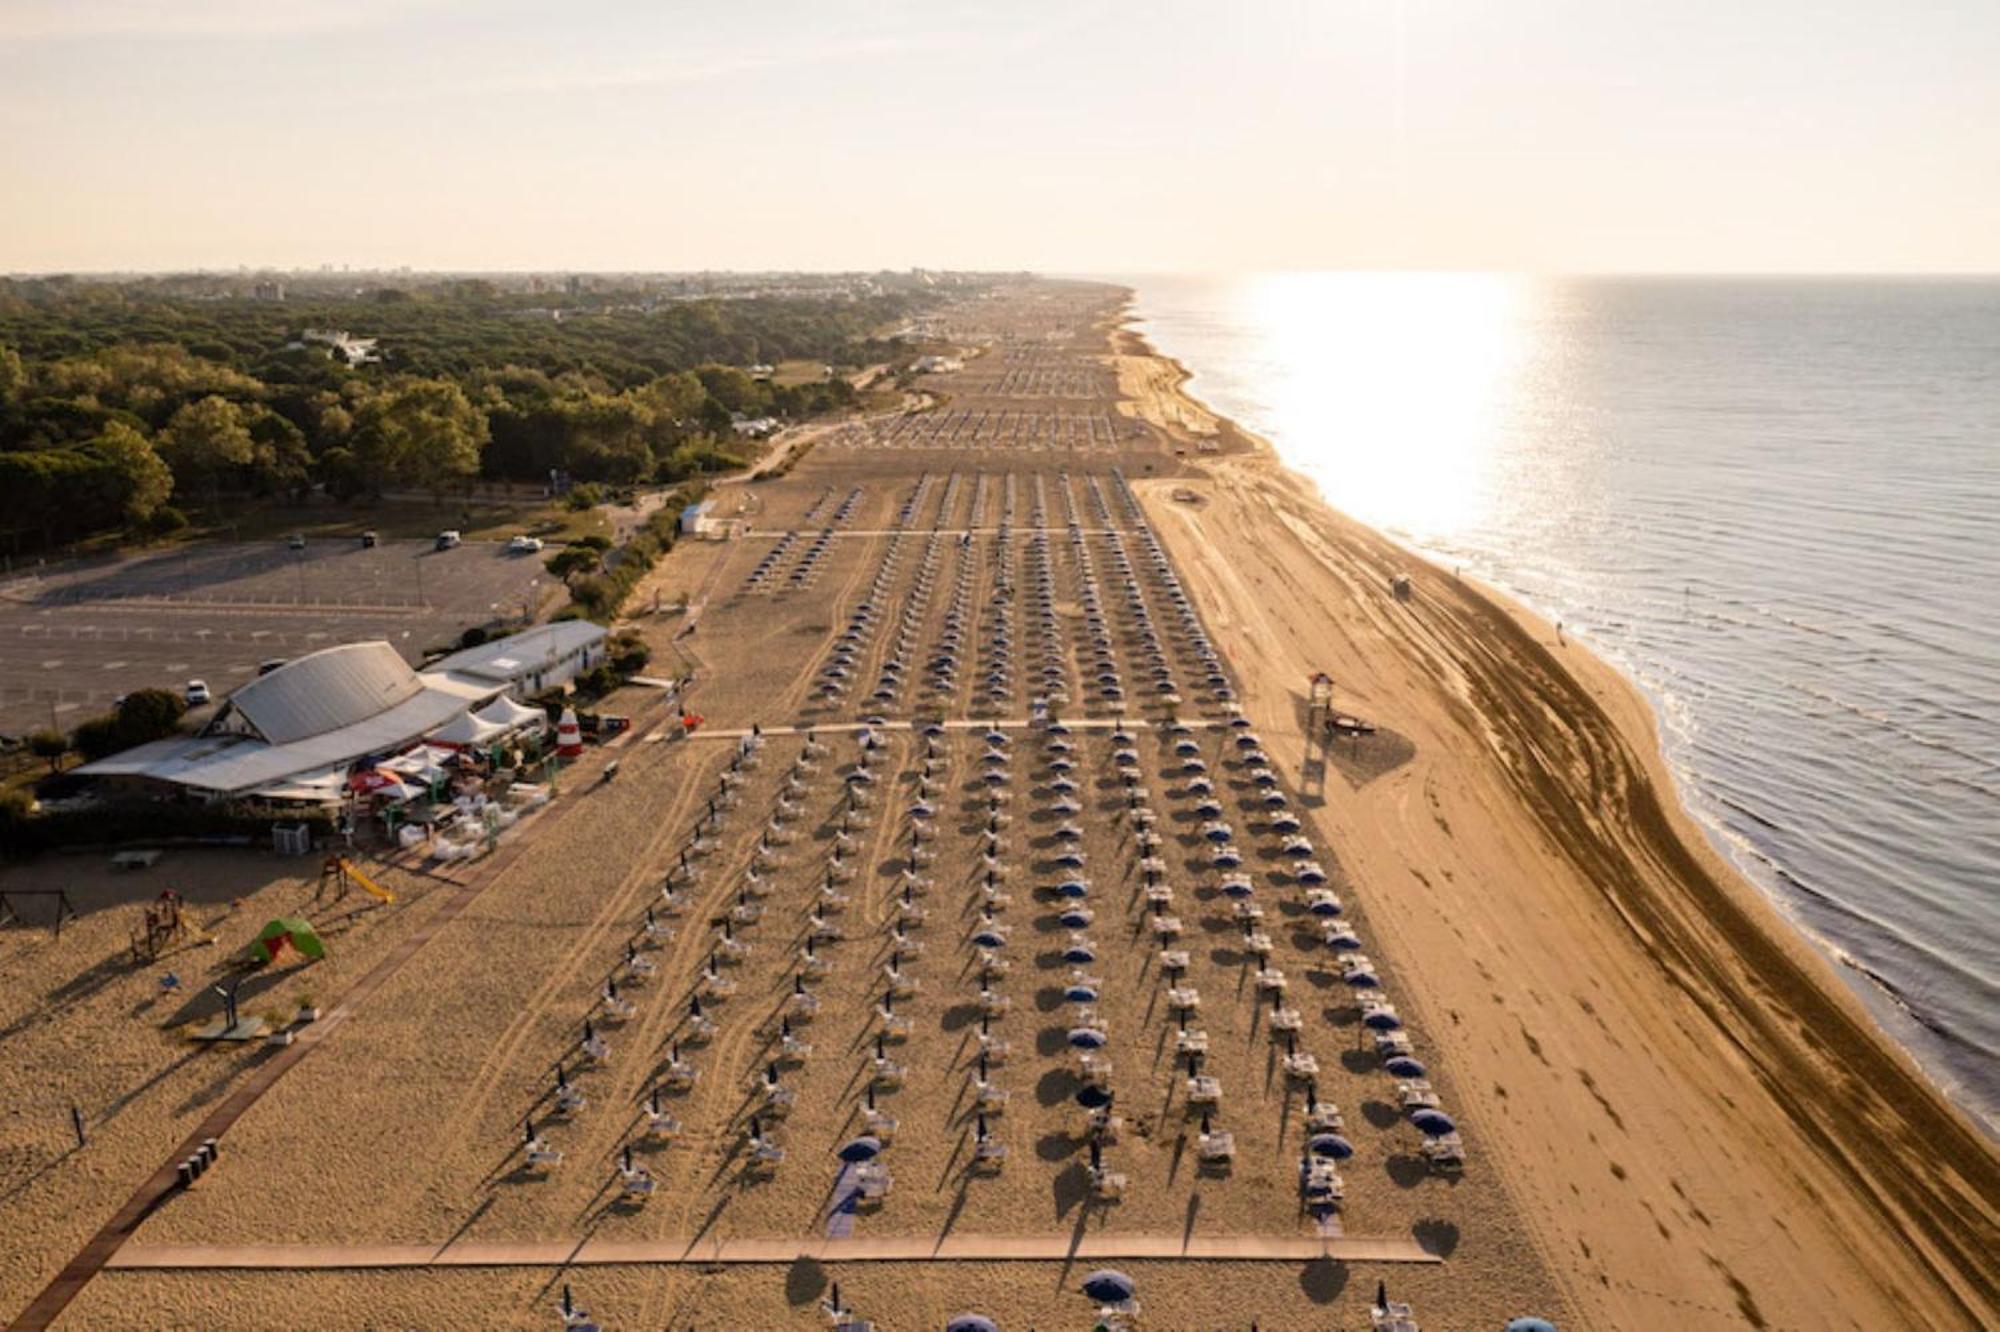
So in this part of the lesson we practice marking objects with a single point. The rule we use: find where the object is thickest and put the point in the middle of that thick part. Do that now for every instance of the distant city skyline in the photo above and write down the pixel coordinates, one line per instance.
(441, 135)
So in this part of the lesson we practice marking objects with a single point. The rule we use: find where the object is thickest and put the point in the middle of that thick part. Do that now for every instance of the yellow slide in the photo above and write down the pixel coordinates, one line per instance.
(368, 885)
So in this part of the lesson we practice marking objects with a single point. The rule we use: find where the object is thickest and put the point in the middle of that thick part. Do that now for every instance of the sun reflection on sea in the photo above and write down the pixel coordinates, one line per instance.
(1389, 388)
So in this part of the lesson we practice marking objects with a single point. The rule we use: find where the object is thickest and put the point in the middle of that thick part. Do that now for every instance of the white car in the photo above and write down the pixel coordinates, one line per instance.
(524, 545)
(197, 693)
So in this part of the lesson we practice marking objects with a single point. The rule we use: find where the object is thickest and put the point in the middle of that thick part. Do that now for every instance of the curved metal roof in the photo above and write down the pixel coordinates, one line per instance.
(326, 691)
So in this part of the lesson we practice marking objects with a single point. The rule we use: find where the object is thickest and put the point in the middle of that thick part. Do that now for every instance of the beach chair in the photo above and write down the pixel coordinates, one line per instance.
(993, 1004)
(635, 1183)
(1301, 1066)
(1271, 980)
(1190, 1041)
(538, 1155)
(1203, 1092)
(989, 1099)
(1392, 1316)
(1107, 1185)
(1166, 928)
(1445, 1153)
(1093, 1069)
(1416, 1094)
(1173, 959)
(1184, 998)
(1285, 1021)
(1216, 1147)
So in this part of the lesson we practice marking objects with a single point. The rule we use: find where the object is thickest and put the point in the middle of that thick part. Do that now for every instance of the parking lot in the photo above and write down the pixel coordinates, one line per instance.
(75, 637)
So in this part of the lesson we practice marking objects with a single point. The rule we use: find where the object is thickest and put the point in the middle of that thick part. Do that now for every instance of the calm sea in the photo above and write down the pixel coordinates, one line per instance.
(1774, 502)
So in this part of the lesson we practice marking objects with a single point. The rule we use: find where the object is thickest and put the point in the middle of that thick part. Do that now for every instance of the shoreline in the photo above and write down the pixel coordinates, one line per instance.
(1797, 1031)
(1885, 1001)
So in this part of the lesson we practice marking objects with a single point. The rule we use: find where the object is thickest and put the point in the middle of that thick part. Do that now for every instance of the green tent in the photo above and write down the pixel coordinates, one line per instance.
(284, 930)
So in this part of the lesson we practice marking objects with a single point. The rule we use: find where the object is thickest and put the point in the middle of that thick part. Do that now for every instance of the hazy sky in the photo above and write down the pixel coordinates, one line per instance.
(1551, 135)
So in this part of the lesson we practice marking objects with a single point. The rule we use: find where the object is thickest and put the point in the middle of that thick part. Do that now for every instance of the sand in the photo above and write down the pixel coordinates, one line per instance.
(1675, 1114)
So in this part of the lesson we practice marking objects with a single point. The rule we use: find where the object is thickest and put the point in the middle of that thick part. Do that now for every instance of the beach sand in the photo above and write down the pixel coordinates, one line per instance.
(1676, 1115)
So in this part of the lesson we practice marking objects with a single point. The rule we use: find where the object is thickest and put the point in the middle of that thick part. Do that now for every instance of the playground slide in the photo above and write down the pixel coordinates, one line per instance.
(368, 885)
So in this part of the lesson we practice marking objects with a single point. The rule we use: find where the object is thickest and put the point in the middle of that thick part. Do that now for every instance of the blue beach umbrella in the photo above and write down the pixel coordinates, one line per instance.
(1086, 1038)
(1220, 833)
(1108, 1285)
(990, 939)
(1070, 860)
(1531, 1325)
(1080, 994)
(864, 1148)
(1325, 906)
(1073, 888)
(1330, 1145)
(1432, 1123)
(972, 1323)
(1226, 857)
(1310, 874)
(1093, 1097)
(1079, 953)
(1237, 888)
(1364, 980)
(1382, 1020)
(1405, 1066)
(1075, 918)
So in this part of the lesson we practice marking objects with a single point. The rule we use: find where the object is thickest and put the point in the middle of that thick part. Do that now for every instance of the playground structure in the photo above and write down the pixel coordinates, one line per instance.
(337, 874)
(10, 907)
(283, 932)
(165, 924)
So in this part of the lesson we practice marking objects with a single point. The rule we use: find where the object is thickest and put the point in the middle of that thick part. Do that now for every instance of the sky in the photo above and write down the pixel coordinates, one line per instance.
(1530, 135)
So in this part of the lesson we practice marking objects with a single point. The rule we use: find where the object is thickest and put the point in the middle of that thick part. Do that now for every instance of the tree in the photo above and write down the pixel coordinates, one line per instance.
(138, 481)
(572, 560)
(207, 437)
(420, 432)
(13, 374)
(50, 745)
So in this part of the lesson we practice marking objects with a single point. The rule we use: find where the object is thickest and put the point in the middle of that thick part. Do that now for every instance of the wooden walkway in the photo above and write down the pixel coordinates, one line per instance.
(873, 1249)
(102, 1247)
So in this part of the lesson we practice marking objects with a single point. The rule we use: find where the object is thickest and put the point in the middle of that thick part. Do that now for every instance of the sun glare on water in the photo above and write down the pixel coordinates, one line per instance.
(1389, 388)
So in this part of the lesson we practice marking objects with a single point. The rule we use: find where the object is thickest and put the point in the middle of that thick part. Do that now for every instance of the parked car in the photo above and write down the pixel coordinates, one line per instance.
(524, 545)
(367, 541)
(448, 538)
(197, 693)
(296, 541)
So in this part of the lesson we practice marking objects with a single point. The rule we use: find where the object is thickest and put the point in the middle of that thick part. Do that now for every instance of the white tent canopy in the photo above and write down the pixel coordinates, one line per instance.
(508, 715)
(466, 729)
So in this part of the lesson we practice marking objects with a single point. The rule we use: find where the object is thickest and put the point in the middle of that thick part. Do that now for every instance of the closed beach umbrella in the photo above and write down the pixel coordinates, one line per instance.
(1086, 1038)
(864, 1148)
(1405, 1066)
(1080, 994)
(1079, 953)
(972, 1323)
(1108, 1285)
(1330, 1145)
(1432, 1123)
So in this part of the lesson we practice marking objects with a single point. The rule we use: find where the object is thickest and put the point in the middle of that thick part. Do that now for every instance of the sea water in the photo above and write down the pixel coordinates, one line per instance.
(1775, 503)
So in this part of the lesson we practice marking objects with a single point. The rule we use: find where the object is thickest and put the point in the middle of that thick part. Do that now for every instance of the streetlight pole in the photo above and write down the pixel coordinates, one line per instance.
(420, 579)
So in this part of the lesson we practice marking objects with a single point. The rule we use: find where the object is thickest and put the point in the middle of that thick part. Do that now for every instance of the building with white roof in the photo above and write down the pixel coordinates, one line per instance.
(298, 731)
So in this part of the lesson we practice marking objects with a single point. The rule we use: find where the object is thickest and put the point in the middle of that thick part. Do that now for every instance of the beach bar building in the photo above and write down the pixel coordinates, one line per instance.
(297, 733)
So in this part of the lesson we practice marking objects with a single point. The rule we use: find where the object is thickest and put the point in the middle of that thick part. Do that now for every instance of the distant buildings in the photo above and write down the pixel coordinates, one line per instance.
(268, 291)
(936, 365)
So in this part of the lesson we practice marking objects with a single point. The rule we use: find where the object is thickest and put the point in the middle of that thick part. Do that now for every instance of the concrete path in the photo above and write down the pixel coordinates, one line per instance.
(878, 1249)
(961, 724)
